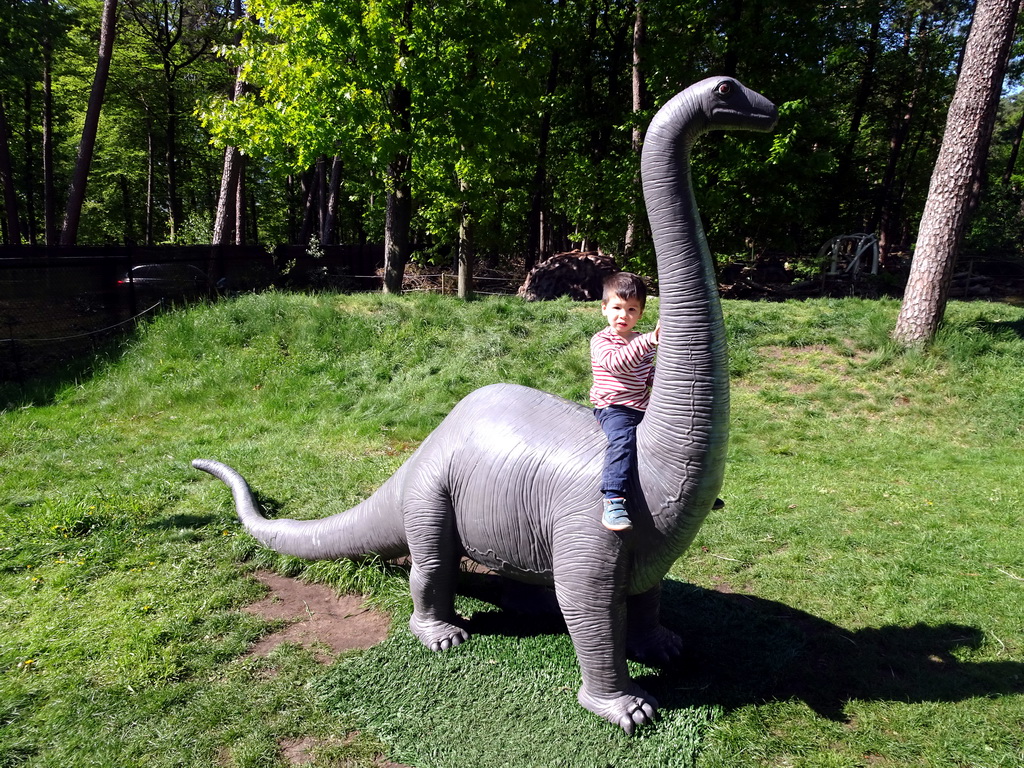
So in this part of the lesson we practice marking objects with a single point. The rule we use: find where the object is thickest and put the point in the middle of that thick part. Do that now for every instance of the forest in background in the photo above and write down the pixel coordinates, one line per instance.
(512, 126)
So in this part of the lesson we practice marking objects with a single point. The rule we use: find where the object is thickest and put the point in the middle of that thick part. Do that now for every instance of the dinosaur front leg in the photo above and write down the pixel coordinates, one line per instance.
(592, 596)
(429, 525)
(647, 639)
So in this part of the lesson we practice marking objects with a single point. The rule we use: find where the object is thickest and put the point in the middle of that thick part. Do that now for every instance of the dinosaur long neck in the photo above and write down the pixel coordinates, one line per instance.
(682, 440)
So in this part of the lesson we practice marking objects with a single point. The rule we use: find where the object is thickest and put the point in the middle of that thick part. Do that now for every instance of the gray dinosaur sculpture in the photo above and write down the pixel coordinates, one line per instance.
(510, 477)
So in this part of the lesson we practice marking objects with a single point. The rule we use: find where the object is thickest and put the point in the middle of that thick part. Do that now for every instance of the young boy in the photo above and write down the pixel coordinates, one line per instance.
(622, 361)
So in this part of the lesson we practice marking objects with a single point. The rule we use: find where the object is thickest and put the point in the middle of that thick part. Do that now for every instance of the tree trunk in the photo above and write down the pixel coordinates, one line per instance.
(76, 193)
(241, 231)
(310, 185)
(884, 218)
(535, 239)
(293, 213)
(865, 89)
(49, 188)
(327, 233)
(150, 174)
(734, 16)
(31, 166)
(964, 148)
(171, 155)
(253, 231)
(226, 199)
(1011, 164)
(398, 203)
(636, 140)
(321, 198)
(126, 205)
(397, 221)
(7, 179)
(466, 254)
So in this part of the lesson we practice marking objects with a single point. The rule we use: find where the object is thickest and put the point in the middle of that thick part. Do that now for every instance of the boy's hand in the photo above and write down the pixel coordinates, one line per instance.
(657, 331)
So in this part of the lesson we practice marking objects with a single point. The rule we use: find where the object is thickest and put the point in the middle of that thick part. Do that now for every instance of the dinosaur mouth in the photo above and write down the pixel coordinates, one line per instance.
(765, 121)
(761, 120)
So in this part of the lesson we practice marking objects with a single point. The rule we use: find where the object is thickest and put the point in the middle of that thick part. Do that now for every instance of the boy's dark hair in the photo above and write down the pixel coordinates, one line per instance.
(626, 286)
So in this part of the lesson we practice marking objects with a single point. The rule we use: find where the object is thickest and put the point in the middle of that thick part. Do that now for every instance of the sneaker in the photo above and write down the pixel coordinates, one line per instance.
(615, 517)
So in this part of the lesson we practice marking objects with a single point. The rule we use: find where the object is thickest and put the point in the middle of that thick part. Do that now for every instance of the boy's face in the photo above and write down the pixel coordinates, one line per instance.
(622, 314)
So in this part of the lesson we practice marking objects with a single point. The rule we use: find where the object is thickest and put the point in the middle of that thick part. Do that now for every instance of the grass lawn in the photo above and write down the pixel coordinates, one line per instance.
(859, 601)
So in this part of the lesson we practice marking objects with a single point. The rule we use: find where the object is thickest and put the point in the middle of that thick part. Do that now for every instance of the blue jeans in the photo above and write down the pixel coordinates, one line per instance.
(619, 424)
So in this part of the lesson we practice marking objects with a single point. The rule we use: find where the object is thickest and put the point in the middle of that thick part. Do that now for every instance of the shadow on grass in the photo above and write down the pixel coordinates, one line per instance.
(999, 328)
(179, 521)
(745, 650)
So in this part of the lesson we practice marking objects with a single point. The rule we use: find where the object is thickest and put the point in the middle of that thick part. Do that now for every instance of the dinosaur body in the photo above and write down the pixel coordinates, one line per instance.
(510, 477)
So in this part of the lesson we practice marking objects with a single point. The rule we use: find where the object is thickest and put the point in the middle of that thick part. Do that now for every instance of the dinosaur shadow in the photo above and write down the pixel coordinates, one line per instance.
(746, 650)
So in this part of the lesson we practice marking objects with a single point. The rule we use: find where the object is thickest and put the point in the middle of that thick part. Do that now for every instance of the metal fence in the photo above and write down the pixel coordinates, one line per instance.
(58, 303)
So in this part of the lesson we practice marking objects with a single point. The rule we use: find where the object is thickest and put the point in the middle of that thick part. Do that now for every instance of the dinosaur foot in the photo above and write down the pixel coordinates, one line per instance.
(437, 635)
(626, 710)
(658, 646)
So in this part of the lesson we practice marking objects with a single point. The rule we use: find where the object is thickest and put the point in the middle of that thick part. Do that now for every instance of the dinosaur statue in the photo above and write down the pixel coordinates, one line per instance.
(510, 477)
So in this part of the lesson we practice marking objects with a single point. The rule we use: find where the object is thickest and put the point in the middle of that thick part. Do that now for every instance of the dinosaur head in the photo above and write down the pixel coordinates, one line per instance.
(730, 105)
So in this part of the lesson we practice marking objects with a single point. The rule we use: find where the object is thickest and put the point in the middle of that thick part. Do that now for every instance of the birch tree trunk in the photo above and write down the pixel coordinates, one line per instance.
(226, 199)
(964, 148)
(466, 254)
(229, 204)
(76, 194)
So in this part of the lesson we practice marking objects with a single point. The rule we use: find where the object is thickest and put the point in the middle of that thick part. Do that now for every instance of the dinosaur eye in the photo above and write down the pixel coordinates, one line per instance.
(724, 89)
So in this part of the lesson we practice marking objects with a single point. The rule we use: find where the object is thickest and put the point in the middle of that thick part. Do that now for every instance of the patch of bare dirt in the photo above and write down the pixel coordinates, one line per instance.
(317, 617)
(818, 355)
(298, 751)
(302, 751)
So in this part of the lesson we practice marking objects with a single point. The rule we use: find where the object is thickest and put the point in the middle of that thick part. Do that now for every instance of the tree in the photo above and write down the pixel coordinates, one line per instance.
(178, 33)
(418, 102)
(49, 189)
(398, 192)
(964, 147)
(639, 103)
(229, 203)
(7, 180)
(76, 194)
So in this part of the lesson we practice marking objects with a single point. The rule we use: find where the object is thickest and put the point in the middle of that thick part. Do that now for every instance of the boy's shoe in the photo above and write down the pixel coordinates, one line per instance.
(615, 517)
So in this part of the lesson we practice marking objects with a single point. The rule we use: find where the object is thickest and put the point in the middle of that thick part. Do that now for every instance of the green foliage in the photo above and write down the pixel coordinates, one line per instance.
(520, 113)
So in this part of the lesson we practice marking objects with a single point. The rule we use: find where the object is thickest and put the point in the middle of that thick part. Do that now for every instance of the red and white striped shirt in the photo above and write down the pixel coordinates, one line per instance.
(623, 369)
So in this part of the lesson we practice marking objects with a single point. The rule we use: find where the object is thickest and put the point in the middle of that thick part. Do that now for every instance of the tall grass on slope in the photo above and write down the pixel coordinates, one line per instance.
(856, 603)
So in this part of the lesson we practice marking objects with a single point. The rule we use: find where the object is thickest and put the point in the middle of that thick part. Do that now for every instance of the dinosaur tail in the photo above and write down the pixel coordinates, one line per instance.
(374, 526)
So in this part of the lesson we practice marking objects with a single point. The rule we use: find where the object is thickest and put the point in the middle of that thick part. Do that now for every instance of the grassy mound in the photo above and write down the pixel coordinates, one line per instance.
(856, 603)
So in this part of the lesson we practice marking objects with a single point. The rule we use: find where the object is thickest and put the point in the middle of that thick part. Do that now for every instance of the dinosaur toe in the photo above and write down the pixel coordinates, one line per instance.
(437, 635)
(626, 710)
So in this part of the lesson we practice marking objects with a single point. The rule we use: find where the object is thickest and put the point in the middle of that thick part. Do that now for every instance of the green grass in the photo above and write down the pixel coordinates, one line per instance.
(857, 603)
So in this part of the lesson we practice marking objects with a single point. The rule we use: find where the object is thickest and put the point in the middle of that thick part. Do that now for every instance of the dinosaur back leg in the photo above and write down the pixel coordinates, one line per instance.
(433, 547)
(647, 639)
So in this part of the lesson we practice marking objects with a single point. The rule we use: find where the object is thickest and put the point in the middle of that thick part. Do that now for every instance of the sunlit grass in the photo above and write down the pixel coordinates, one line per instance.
(856, 603)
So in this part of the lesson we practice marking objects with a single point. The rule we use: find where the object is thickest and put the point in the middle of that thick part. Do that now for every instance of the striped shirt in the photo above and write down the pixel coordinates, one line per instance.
(623, 369)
